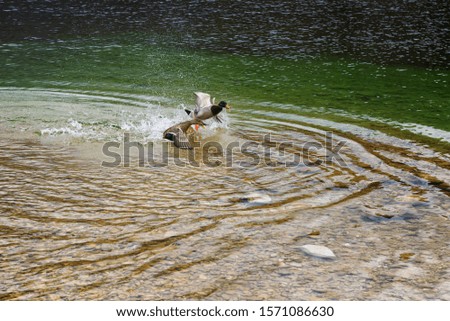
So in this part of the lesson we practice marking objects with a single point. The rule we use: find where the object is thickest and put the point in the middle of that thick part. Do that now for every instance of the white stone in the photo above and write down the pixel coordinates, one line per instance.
(318, 251)
(257, 197)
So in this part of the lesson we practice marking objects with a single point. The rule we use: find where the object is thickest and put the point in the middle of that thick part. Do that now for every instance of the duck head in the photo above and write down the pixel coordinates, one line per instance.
(223, 104)
(169, 136)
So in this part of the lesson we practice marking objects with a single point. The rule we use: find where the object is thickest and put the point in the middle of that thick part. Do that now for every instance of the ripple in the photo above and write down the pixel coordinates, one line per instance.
(72, 229)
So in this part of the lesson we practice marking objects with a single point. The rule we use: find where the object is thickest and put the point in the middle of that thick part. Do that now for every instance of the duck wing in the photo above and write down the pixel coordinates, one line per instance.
(202, 100)
(180, 139)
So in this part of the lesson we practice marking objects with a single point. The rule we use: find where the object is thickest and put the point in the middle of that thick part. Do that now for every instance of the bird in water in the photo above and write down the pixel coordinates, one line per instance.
(177, 133)
(206, 108)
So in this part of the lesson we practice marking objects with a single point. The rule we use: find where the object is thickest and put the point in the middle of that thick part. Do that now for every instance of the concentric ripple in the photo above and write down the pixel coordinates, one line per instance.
(219, 223)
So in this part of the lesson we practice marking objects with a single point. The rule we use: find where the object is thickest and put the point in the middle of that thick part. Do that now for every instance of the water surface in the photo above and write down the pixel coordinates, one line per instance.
(74, 77)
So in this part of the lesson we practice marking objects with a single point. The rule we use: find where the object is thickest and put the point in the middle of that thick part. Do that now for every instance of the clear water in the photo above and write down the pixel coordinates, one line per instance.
(76, 76)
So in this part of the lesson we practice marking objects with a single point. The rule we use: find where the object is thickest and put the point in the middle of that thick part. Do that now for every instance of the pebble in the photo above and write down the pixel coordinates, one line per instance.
(256, 198)
(318, 251)
(203, 277)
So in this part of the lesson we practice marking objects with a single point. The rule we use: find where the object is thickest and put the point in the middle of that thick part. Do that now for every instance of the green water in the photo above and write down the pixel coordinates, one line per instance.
(130, 63)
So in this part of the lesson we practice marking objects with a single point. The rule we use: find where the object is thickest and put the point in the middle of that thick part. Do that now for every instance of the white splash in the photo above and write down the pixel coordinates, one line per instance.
(73, 128)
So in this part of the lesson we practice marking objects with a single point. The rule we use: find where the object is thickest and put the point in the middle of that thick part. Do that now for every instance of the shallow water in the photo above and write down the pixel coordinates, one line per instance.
(318, 150)
(73, 229)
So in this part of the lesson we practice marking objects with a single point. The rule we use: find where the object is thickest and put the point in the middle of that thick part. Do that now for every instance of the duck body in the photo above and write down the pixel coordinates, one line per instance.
(206, 108)
(177, 133)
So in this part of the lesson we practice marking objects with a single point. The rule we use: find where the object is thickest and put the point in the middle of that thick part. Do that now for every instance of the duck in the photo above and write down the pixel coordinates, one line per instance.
(177, 133)
(206, 108)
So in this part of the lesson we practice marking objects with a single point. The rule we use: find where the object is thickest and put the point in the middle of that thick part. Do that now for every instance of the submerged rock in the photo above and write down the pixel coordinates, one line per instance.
(314, 234)
(320, 251)
(256, 198)
(406, 256)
